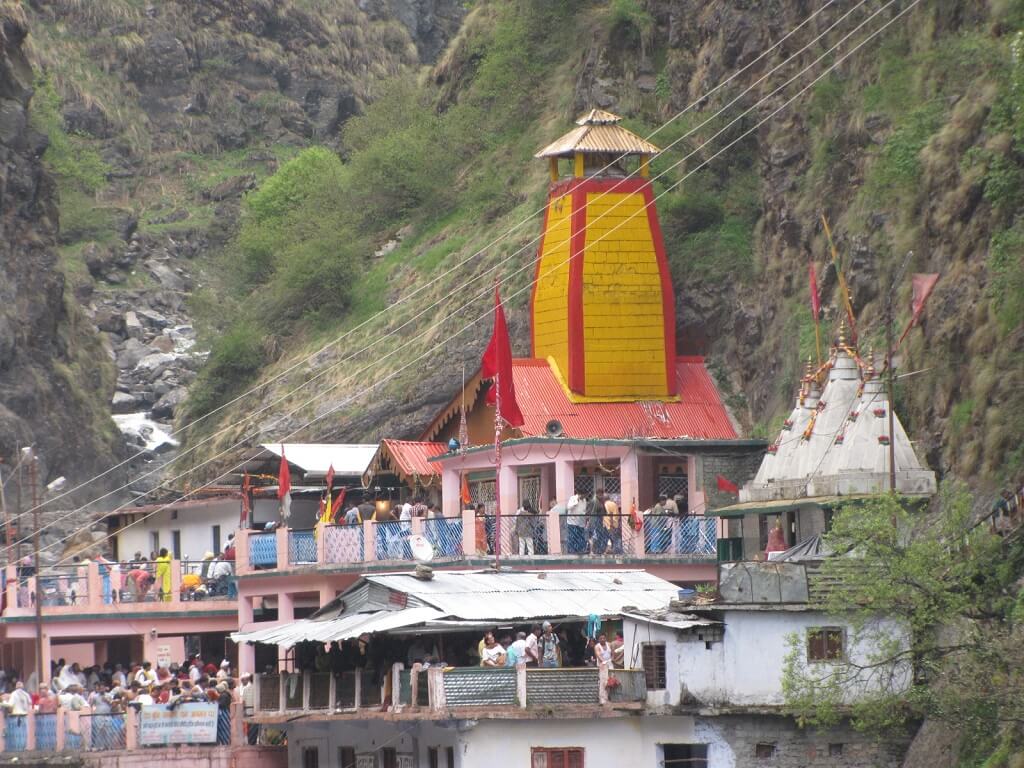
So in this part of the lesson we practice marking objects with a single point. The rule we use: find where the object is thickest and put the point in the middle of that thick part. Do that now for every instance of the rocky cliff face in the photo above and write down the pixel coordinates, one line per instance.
(55, 377)
(911, 147)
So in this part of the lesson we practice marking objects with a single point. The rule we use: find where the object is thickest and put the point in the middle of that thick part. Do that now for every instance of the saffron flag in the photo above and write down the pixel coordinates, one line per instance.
(497, 363)
(284, 487)
(466, 498)
(923, 285)
(726, 485)
(815, 301)
(327, 509)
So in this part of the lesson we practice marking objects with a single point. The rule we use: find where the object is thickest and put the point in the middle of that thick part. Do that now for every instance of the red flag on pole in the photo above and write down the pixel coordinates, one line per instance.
(497, 361)
(727, 486)
(284, 487)
(923, 285)
(815, 300)
(466, 498)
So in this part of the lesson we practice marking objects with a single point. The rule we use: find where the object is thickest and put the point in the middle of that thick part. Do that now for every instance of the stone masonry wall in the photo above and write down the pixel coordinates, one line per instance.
(733, 740)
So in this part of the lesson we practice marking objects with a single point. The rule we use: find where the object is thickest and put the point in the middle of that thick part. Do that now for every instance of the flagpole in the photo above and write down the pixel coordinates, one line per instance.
(497, 474)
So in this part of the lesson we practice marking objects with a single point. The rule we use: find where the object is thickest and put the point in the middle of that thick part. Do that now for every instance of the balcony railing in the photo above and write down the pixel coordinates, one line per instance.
(94, 587)
(444, 689)
(468, 537)
(75, 731)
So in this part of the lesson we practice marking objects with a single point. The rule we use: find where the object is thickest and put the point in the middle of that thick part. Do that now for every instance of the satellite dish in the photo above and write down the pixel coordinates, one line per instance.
(422, 549)
(554, 428)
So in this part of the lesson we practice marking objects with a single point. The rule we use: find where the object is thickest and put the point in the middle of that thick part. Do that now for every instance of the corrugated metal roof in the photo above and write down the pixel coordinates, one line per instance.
(411, 458)
(670, 619)
(339, 628)
(482, 596)
(699, 413)
(530, 595)
(315, 458)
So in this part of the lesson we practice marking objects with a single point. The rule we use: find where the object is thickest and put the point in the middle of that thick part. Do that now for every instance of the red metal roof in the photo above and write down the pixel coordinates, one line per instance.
(699, 414)
(411, 458)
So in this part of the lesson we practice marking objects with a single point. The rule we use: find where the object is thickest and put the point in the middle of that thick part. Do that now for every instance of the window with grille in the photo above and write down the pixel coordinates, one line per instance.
(675, 486)
(684, 755)
(389, 757)
(764, 750)
(584, 484)
(310, 757)
(826, 644)
(653, 662)
(347, 757)
(557, 757)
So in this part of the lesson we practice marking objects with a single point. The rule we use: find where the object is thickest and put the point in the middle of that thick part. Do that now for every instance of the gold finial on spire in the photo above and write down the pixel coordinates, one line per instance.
(808, 368)
(842, 332)
(870, 373)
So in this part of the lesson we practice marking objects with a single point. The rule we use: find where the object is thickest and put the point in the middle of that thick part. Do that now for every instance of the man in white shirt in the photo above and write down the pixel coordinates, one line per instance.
(21, 700)
(576, 522)
(532, 652)
(196, 671)
(518, 647)
(118, 679)
(225, 670)
(145, 676)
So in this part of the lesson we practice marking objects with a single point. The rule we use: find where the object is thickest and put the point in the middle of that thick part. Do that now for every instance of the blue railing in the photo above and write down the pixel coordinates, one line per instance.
(15, 733)
(445, 533)
(263, 550)
(46, 731)
(106, 731)
(301, 547)
(392, 541)
(670, 535)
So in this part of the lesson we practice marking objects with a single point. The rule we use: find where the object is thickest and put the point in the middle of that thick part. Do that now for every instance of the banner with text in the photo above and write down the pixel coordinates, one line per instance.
(185, 724)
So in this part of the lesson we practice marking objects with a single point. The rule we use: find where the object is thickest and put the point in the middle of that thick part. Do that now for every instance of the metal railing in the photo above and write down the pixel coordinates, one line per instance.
(671, 535)
(391, 540)
(263, 550)
(445, 533)
(64, 585)
(343, 544)
(301, 547)
(442, 689)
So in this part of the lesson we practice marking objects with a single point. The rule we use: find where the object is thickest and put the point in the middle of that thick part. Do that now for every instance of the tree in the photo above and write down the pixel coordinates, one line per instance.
(952, 589)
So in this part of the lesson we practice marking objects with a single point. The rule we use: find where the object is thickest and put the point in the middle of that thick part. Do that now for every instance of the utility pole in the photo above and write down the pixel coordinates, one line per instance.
(33, 470)
(891, 395)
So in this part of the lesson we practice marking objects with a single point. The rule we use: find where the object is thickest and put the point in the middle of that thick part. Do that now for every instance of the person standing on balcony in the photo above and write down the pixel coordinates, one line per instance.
(548, 646)
(597, 533)
(576, 522)
(492, 655)
(532, 653)
(481, 529)
(163, 575)
(526, 527)
(613, 522)
(603, 651)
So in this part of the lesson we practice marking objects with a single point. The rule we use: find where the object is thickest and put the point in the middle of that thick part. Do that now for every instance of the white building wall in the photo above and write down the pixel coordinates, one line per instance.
(194, 522)
(492, 743)
(746, 666)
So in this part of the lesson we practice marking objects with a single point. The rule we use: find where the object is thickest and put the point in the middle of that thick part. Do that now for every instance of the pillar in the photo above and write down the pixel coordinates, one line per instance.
(553, 168)
(176, 581)
(695, 485)
(468, 532)
(94, 584)
(242, 551)
(451, 492)
(546, 485)
(47, 657)
(369, 541)
(327, 593)
(285, 607)
(577, 165)
(629, 483)
(506, 543)
(565, 479)
(320, 537)
(246, 651)
(131, 728)
(282, 547)
(237, 724)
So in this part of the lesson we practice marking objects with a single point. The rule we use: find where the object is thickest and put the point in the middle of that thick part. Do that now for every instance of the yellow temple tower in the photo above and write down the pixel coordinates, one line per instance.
(603, 305)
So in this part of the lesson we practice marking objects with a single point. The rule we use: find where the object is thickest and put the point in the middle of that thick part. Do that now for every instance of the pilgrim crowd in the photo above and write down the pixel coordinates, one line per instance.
(104, 692)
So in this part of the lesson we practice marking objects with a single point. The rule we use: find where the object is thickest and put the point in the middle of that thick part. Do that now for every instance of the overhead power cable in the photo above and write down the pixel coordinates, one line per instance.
(454, 268)
(529, 284)
(500, 263)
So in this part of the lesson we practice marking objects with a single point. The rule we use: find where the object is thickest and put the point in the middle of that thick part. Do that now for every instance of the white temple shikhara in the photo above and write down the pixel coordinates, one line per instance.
(836, 441)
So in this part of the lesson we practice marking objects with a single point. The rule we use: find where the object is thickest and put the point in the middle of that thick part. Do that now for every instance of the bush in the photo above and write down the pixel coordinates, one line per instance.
(235, 358)
(70, 158)
(1006, 276)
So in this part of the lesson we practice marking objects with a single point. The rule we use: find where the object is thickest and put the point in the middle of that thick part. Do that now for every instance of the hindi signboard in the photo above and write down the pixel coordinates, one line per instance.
(159, 725)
